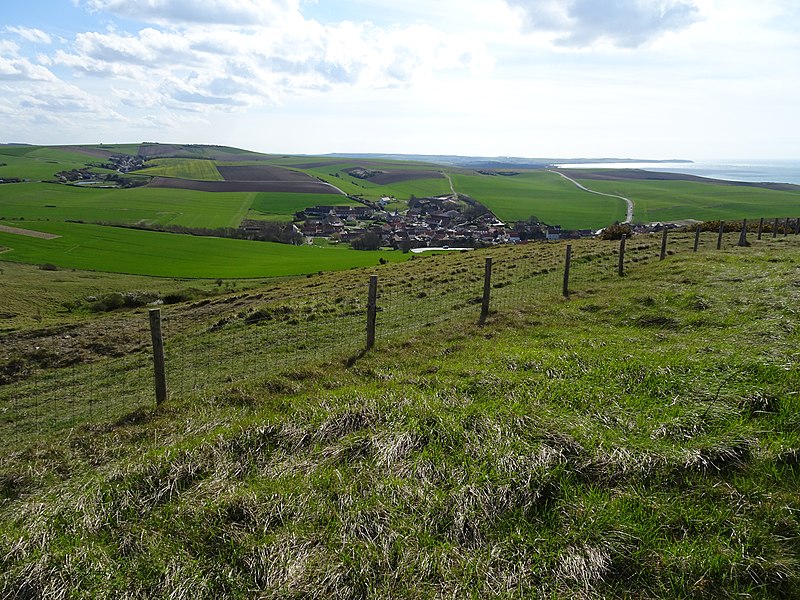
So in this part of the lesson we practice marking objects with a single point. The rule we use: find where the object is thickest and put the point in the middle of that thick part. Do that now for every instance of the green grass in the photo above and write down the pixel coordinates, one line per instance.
(371, 191)
(284, 205)
(138, 205)
(118, 250)
(676, 200)
(17, 150)
(33, 297)
(37, 168)
(200, 170)
(636, 440)
(542, 194)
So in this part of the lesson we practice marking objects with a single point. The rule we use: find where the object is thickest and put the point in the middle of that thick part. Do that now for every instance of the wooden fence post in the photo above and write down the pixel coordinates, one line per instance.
(786, 227)
(664, 244)
(721, 231)
(797, 226)
(697, 237)
(621, 267)
(487, 288)
(743, 234)
(775, 228)
(372, 310)
(760, 227)
(159, 366)
(567, 262)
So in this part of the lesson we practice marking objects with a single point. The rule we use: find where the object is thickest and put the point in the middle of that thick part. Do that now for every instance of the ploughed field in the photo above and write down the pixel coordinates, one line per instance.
(218, 187)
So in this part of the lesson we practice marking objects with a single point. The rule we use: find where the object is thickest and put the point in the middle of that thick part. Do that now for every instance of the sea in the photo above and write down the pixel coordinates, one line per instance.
(756, 170)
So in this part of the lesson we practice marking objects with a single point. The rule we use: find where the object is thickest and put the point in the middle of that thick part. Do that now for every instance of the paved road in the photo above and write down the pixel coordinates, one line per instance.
(628, 201)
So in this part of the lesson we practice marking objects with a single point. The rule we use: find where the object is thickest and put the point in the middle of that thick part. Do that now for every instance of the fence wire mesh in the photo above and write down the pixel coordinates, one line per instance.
(49, 390)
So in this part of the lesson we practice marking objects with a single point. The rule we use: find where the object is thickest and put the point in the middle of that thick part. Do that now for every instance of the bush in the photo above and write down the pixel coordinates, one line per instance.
(616, 231)
(48, 267)
(368, 241)
(117, 300)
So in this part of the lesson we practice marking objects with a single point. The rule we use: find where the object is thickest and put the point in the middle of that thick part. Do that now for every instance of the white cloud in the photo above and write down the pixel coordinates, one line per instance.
(218, 12)
(197, 67)
(36, 36)
(21, 69)
(622, 23)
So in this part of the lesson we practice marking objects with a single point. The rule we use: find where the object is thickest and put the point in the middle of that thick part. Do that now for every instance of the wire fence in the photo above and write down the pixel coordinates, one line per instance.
(50, 392)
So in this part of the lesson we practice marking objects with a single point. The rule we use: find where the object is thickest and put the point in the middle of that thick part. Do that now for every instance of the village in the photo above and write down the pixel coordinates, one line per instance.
(442, 221)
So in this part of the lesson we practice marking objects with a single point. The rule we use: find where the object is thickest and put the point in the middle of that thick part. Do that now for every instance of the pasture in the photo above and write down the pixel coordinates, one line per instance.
(182, 168)
(136, 252)
(281, 206)
(545, 195)
(40, 165)
(677, 200)
(54, 202)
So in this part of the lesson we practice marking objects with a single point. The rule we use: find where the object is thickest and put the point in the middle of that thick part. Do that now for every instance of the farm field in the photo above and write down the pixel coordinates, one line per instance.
(282, 206)
(419, 185)
(54, 202)
(136, 252)
(182, 168)
(676, 200)
(545, 195)
(40, 168)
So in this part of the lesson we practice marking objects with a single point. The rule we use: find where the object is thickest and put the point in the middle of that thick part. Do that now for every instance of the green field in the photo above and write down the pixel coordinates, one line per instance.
(197, 169)
(283, 205)
(56, 202)
(542, 194)
(119, 250)
(676, 200)
(42, 165)
(402, 190)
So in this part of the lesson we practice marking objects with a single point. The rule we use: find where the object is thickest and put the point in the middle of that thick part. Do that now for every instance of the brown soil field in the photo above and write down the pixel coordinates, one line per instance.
(162, 150)
(28, 232)
(307, 186)
(262, 173)
(150, 151)
(642, 175)
(93, 152)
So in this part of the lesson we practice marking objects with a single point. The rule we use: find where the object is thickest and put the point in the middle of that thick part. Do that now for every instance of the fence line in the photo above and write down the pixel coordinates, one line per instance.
(291, 328)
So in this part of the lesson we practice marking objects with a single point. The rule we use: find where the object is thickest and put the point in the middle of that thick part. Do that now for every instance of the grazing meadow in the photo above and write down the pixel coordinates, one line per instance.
(136, 252)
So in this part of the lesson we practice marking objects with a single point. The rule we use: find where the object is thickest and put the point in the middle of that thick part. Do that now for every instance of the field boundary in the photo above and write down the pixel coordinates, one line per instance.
(47, 390)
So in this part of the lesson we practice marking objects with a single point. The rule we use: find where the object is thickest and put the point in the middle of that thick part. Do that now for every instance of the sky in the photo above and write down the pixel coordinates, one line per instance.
(659, 79)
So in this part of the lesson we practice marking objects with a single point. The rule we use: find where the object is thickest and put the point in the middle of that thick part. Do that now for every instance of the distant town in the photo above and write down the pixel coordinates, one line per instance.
(428, 222)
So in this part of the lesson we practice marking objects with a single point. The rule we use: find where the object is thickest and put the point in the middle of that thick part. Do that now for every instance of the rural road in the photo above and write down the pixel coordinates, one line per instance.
(628, 201)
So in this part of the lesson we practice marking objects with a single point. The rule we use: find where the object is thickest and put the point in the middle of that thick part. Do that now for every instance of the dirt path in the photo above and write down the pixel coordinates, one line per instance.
(28, 232)
(628, 201)
(452, 187)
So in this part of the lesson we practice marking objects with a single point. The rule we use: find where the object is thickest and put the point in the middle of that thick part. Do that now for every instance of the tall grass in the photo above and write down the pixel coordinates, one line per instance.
(638, 439)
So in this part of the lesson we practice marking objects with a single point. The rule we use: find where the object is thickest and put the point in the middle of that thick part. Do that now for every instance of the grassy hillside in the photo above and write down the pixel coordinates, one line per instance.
(136, 252)
(41, 164)
(283, 205)
(640, 439)
(54, 202)
(542, 194)
(676, 200)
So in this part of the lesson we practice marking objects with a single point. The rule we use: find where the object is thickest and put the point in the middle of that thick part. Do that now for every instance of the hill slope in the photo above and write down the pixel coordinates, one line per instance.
(639, 439)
